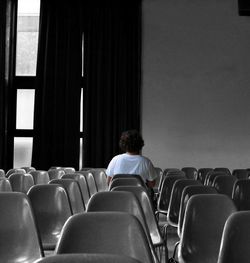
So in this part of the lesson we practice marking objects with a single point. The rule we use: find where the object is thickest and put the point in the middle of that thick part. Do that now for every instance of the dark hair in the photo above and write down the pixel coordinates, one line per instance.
(131, 141)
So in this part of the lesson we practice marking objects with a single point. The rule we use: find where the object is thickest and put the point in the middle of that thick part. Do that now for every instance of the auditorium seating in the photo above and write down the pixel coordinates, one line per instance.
(202, 173)
(222, 169)
(5, 185)
(90, 181)
(224, 184)
(15, 170)
(21, 182)
(28, 168)
(40, 176)
(55, 173)
(51, 209)
(2, 173)
(100, 179)
(190, 172)
(132, 181)
(211, 176)
(240, 173)
(241, 194)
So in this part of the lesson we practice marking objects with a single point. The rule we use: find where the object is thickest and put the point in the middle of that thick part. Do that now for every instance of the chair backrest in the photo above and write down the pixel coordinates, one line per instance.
(19, 239)
(137, 176)
(28, 168)
(120, 201)
(159, 173)
(236, 239)
(165, 193)
(55, 173)
(69, 170)
(5, 185)
(203, 225)
(15, 170)
(147, 207)
(211, 176)
(82, 184)
(105, 232)
(175, 199)
(74, 194)
(40, 177)
(187, 193)
(90, 181)
(21, 182)
(222, 169)
(164, 174)
(51, 209)
(87, 258)
(2, 173)
(224, 184)
(202, 173)
(129, 181)
(240, 173)
(190, 172)
(100, 179)
(241, 194)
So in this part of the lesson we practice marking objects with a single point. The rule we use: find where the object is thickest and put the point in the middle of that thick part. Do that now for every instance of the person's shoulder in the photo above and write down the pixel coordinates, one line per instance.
(145, 159)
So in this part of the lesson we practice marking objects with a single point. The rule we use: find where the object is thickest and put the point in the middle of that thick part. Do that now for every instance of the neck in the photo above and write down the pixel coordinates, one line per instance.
(130, 153)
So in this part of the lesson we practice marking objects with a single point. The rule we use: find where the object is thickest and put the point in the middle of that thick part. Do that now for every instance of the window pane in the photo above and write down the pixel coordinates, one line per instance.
(80, 155)
(22, 151)
(27, 37)
(25, 108)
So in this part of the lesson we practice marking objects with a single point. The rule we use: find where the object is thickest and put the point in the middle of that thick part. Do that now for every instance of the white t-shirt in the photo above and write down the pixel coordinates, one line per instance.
(132, 164)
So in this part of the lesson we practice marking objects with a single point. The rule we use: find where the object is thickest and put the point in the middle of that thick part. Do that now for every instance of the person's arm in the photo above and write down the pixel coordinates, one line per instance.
(108, 179)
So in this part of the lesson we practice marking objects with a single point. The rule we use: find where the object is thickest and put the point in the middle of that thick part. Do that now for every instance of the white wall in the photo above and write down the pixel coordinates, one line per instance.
(196, 84)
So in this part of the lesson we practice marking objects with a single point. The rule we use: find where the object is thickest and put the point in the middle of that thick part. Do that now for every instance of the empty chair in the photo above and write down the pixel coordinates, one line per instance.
(2, 173)
(81, 180)
(211, 176)
(203, 225)
(28, 168)
(159, 173)
(19, 240)
(224, 184)
(86, 168)
(40, 177)
(165, 193)
(100, 179)
(5, 185)
(240, 173)
(125, 181)
(202, 173)
(164, 174)
(68, 170)
(105, 232)
(190, 172)
(235, 239)
(51, 209)
(90, 182)
(241, 194)
(15, 170)
(175, 200)
(55, 173)
(222, 169)
(88, 258)
(147, 207)
(137, 176)
(120, 201)
(187, 193)
(21, 182)
(74, 194)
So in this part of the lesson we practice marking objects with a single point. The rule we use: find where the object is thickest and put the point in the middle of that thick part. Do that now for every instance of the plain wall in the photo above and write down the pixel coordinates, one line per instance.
(196, 84)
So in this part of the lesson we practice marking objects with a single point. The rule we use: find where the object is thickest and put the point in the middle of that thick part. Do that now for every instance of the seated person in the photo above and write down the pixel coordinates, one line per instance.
(131, 162)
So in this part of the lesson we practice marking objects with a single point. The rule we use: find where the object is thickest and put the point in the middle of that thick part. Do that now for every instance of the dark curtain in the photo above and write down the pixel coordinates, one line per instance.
(112, 76)
(8, 9)
(57, 100)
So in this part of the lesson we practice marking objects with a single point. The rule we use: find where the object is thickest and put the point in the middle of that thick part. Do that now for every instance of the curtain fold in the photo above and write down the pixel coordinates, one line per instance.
(8, 9)
(57, 100)
(112, 77)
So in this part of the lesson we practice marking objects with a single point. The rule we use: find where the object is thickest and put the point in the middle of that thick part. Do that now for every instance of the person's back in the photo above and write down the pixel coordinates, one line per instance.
(131, 162)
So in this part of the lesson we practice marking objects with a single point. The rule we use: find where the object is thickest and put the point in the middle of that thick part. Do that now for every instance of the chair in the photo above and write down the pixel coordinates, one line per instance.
(241, 194)
(222, 169)
(175, 200)
(203, 225)
(2, 173)
(90, 182)
(240, 173)
(211, 176)
(159, 173)
(68, 170)
(82, 184)
(105, 232)
(164, 174)
(119, 201)
(236, 239)
(224, 184)
(55, 173)
(74, 194)
(19, 240)
(28, 168)
(100, 179)
(51, 209)
(202, 173)
(137, 176)
(15, 170)
(187, 193)
(125, 181)
(21, 182)
(5, 185)
(40, 177)
(87, 258)
(190, 172)
(165, 193)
